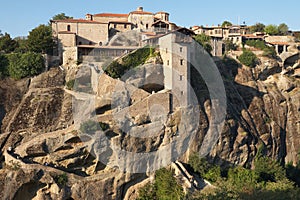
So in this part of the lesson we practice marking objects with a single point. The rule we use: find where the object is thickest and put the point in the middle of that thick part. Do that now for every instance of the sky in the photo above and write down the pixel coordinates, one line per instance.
(18, 17)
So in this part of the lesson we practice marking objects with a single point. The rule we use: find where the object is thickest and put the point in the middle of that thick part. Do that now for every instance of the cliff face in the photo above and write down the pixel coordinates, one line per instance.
(49, 157)
(262, 112)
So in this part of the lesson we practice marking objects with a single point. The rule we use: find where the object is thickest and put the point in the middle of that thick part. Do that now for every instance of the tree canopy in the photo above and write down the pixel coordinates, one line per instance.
(271, 29)
(7, 44)
(204, 41)
(226, 24)
(40, 39)
(248, 58)
(61, 16)
(25, 65)
(283, 29)
(258, 27)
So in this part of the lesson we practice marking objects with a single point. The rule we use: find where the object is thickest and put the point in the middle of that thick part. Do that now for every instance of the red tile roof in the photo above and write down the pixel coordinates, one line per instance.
(77, 21)
(110, 15)
(279, 43)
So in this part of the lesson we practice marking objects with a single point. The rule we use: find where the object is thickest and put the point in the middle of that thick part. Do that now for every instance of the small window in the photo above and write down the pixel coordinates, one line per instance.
(125, 25)
(181, 92)
(90, 43)
(166, 50)
(147, 26)
(68, 28)
(181, 62)
(100, 43)
(180, 77)
(168, 62)
(80, 43)
(115, 25)
(180, 49)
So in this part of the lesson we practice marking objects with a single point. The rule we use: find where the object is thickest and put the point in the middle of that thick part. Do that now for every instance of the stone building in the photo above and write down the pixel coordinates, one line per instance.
(96, 30)
(218, 33)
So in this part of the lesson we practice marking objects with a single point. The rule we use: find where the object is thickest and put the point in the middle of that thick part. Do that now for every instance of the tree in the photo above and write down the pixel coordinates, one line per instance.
(229, 45)
(248, 58)
(271, 29)
(226, 24)
(7, 44)
(25, 65)
(283, 29)
(61, 16)
(40, 39)
(258, 27)
(3, 66)
(204, 41)
(22, 45)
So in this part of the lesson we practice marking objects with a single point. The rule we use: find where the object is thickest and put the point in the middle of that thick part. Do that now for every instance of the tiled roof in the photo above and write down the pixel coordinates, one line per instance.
(279, 43)
(77, 21)
(110, 15)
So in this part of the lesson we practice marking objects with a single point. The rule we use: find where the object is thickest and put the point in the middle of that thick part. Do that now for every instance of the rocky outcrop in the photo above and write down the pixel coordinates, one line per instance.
(45, 155)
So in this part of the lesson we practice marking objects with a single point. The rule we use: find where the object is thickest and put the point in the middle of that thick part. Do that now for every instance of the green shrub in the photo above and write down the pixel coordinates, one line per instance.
(248, 58)
(268, 169)
(259, 44)
(3, 66)
(70, 84)
(165, 187)
(138, 57)
(25, 65)
(61, 179)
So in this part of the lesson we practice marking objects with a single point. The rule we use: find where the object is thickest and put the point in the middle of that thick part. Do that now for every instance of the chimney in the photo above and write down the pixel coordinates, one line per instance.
(89, 17)
(140, 9)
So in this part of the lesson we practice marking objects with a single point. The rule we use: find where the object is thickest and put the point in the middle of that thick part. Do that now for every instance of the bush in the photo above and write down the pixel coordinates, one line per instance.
(138, 57)
(165, 187)
(25, 65)
(70, 84)
(3, 66)
(259, 44)
(248, 58)
(61, 179)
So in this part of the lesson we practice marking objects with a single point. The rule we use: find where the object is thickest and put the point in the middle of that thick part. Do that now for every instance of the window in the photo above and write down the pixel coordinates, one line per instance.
(68, 28)
(115, 25)
(100, 43)
(181, 92)
(90, 43)
(168, 62)
(147, 26)
(80, 43)
(125, 25)
(180, 77)
(180, 49)
(166, 50)
(181, 62)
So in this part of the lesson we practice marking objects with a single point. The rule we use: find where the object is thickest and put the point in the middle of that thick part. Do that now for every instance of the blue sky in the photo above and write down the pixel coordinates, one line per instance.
(18, 17)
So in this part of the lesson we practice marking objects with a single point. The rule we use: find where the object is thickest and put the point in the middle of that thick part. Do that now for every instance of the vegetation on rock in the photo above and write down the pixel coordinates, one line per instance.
(25, 65)
(164, 187)
(248, 58)
(118, 68)
(204, 41)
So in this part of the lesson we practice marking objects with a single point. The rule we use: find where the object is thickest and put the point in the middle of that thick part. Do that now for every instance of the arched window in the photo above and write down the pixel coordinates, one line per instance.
(147, 26)
(100, 43)
(68, 28)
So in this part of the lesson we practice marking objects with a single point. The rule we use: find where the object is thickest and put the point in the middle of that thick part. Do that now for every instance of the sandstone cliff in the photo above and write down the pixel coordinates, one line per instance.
(44, 157)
